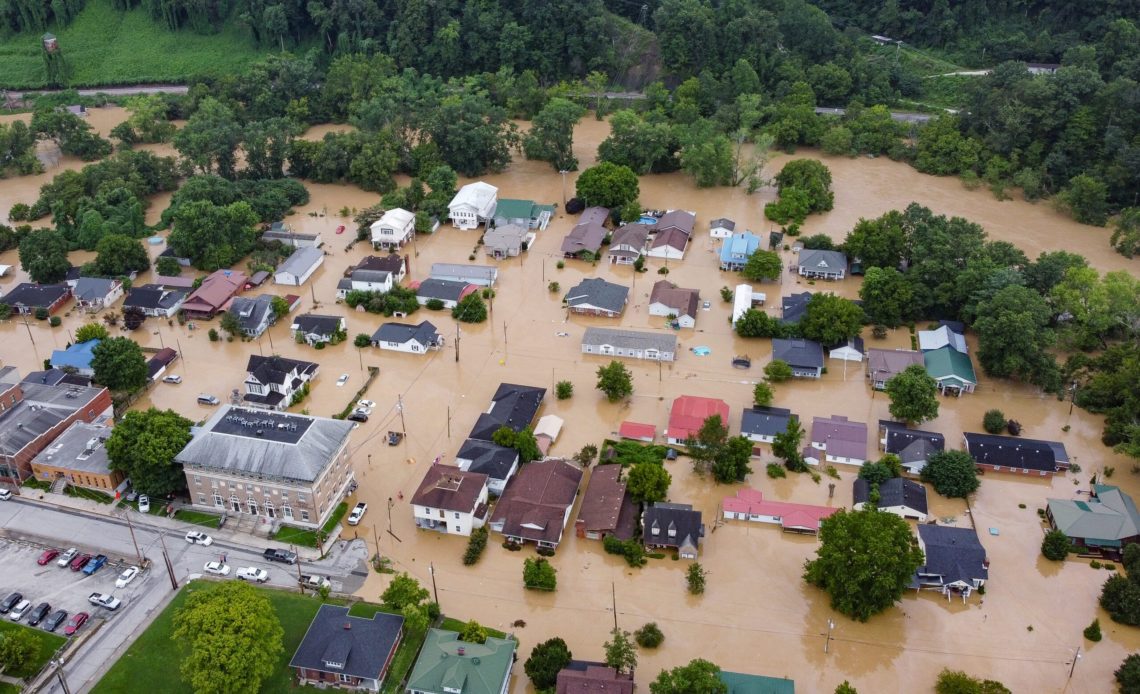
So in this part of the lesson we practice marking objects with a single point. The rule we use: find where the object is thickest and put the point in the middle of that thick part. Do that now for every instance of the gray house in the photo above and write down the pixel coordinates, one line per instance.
(254, 315)
(793, 307)
(761, 424)
(804, 356)
(402, 337)
(506, 241)
(299, 267)
(450, 292)
(828, 265)
(913, 446)
(596, 297)
(482, 275)
(955, 560)
(673, 526)
(629, 343)
(900, 496)
(314, 328)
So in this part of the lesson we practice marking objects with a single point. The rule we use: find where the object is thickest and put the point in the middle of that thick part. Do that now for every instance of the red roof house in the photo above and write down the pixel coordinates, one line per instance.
(689, 413)
(749, 504)
(637, 431)
(213, 294)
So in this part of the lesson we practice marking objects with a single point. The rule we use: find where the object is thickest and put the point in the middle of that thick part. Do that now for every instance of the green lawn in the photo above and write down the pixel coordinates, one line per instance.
(306, 537)
(6, 688)
(90, 494)
(48, 645)
(105, 47)
(205, 520)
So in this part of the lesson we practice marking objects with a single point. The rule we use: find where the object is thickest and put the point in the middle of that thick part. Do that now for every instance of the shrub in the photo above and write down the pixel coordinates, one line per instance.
(1092, 631)
(434, 305)
(631, 550)
(777, 371)
(41, 313)
(553, 287)
(475, 546)
(696, 578)
(54, 321)
(775, 470)
(20, 212)
(1094, 564)
(649, 636)
(473, 632)
(563, 390)
(1055, 546)
(213, 335)
(994, 421)
(560, 264)
(1110, 566)
(538, 574)
(726, 295)
(662, 271)
(362, 340)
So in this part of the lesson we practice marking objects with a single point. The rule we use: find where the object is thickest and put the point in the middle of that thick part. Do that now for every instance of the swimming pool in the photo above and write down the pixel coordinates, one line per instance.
(647, 220)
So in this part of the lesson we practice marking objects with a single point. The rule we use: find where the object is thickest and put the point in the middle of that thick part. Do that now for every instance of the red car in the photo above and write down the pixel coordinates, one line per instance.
(340, 229)
(47, 556)
(75, 622)
(79, 562)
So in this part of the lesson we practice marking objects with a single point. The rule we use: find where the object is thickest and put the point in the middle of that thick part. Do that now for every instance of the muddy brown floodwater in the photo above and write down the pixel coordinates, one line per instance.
(757, 614)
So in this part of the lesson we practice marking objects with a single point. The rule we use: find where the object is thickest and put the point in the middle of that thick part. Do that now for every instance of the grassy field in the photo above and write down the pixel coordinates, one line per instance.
(48, 645)
(105, 47)
(308, 538)
(205, 520)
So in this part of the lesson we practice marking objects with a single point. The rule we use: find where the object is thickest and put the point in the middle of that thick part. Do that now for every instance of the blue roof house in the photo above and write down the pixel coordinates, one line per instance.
(736, 249)
(76, 357)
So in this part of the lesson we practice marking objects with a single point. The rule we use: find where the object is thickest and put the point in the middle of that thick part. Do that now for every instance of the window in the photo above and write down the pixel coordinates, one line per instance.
(457, 515)
(300, 498)
(304, 515)
(202, 499)
(343, 677)
(218, 500)
(197, 481)
(287, 511)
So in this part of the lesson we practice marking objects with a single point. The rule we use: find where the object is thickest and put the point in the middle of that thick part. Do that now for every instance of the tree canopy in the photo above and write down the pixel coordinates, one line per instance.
(608, 185)
(699, 676)
(953, 473)
(648, 481)
(43, 255)
(545, 662)
(615, 381)
(831, 319)
(119, 364)
(913, 394)
(142, 446)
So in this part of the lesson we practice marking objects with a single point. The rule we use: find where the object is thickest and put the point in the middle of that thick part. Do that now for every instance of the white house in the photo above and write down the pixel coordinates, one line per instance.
(450, 501)
(379, 281)
(743, 298)
(902, 497)
(299, 267)
(93, 294)
(394, 229)
(313, 328)
(473, 205)
(635, 344)
(153, 300)
(667, 299)
(669, 244)
(402, 337)
(271, 382)
(837, 440)
(721, 228)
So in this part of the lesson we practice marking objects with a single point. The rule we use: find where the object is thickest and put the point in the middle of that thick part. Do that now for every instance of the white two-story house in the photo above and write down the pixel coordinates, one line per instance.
(394, 229)
(450, 501)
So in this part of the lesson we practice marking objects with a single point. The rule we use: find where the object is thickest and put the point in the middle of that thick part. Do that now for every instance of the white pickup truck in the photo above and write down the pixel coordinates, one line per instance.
(357, 513)
(105, 600)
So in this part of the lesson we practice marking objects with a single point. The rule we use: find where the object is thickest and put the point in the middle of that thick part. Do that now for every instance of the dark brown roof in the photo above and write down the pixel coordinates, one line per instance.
(581, 677)
(449, 488)
(671, 237)
(393, 263)
(683, 301)
(536, 499)
(603, 501)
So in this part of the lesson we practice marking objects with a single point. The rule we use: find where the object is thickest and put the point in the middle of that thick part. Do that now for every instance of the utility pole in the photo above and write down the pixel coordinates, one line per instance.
(131, 528)
(1076, 657)
(181, 354)
(830, 626)
(563, 172)
(457, 342)
(434, 590)
(300, 581)
(60, 677)
(613, 598)
(166, 560)
(504, 334)
(449, 422)
(400, 409)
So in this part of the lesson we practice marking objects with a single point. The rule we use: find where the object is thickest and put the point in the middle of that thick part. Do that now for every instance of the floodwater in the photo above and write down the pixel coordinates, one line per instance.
(757, 614)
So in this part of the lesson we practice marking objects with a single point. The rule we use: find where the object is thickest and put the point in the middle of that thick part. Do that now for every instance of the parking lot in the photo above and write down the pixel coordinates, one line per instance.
(60, 586)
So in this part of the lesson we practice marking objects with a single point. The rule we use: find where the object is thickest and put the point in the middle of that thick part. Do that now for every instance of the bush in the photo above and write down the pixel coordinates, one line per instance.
(777, 371)
(475, 546)
(553, 287)
(563, 390)
(434, 305)
(649, 636)
(775, 470)
(994, 421)
(362, 340)
(560, 264)
(54, 321)
(726, 295)
(538, 574)
(20, 212)
(1055, 546)
(213, 335)
(631, 550)
(696, 578)
(662, 271)
(41, 313)
(1092, 631)
(1094, 564)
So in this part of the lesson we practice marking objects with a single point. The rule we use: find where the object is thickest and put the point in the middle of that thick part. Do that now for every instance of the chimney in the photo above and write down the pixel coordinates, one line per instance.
(348, 626)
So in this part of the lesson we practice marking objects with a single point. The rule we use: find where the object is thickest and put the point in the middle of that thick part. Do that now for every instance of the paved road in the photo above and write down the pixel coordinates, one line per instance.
(65, 527)
(895, 115)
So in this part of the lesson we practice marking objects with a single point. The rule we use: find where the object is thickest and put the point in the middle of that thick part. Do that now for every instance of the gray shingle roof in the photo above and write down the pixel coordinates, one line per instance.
(793, 307)
(301, 261)
(488, 458)
(896, 491)
(512, 406)
(35, 295)
(598, 292)
(953, 553)
(91, 288)
(1010, 451)
(362, 646)
(823, 261)
(681, 517)
(804, 353)
(315, 324)
(425, 333)
(444, 290)
(630, 339)
(764, 421)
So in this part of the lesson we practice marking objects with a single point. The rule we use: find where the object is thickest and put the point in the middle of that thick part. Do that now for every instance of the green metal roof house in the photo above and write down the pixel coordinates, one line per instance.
(740, 683)
(1107, 521)
(525, 213)
(952, 369)
(447, 665)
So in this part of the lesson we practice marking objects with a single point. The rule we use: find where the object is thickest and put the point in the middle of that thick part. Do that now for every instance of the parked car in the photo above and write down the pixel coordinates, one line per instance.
(362, 410)
(282, 555)
(394, 438)
(252, 573)
(357, 417)
(217, 568)
(315, 582)
(365, 404)
(206, 399)
(196, 538)
(342, 380)
(37, 615)
(144, 504)
(80, 561)
(127, 576)
(19, 610)
(168, 379)
(9, 602)
(5, 494)
(47, 556)
(104, 600)
(75, 622)
(357, 513)
(66, 557)
(54, 620)
(95, 564)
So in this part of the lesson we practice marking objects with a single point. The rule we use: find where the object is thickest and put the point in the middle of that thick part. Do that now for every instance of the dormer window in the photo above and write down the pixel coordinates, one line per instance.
(672, 530)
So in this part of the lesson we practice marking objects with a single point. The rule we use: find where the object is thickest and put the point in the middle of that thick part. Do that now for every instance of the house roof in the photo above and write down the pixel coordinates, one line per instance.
(1010, 451)
(805, 353)
(444, 290)
(449, 488)
(764, 421)
(277, 369)
(280, 233)
(793, 307)
(252, 313)
(536, 499)
(630, 339)
(634, 430)
(739, 245)
(842, 438)
(488, 458)
(511, 208)
(681, 220)
(216, 289)
(634, 235)
(480, 273)
(338, 643)
(549, 425)
(302, 260)
(479, 195)
(316, 324)
(393, 263)
(505, 236)
(722, 223)
(823, 261)
(77, 356)
(584, 237)
(583, 677)
(267, 444)
(896, 491)
(91, 288)
(947, 362)
(680, 517)
(1108, 516)
(45, 404)
(910, 445)
(162, 358)
(79, 448)
(595, 291)
(934, 339)
(952, 553)
(472, 668)
(672, 237)
(396, 218)
(36, 295)
(425, 333)
(752, 502)
(174, 281)
(594, 215)
(373, 276)
(739, 683)
(689, 412)
(152, 296)
(683, 301)
(512, 406)
(883, 364)
(604, 499)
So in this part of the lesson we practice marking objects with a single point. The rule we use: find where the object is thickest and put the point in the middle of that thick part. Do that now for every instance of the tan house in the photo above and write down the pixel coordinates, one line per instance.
(79, 458)
(284, 467)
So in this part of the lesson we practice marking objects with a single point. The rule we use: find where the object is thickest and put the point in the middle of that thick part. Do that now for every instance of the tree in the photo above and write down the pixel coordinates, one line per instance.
(17, 648)
(527, 446)
(233, 635)
(1014, 335)
(866, 559)
(416, 617)
(148, 120)
(755, 323)
(90, 331)
(538, 574)
(913, 394)
(762, 394)
(811, 177)
(1126, 232)
(954, 474)
(545, 662)
(958, 682)
(473, 632)
(43, 255)
(1055, 546)
(119, 364)
(695, 578)
(142, 446)
(649, 635)
(620, 652)
(1128, 675)
(648, 482)
(362, 340)
(470, 309)
(586, 455)
(563, 390)
(777, 371)
(887, 296)
(831, 319)
(698, 677)
(551, 136)
(615, 381)
(880, 242)
(875, 473)
(608, 185)
(1120, 597)
(213, 236)
(1092, 631)
(786, 445)
(404, 590)
(708, 444)
(732, 465)
(762, 265)
(231, 324)
(846, 688)
(168, 267)
(120, 255)
(1087, 200)
(210, 139)
(994, 421)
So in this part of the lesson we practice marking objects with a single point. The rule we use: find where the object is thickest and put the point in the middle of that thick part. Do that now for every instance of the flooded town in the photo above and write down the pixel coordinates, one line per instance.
(757, 614)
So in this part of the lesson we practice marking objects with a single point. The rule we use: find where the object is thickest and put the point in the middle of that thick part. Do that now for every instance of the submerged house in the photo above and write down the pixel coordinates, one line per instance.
(1107, 522)
(673, 526)
(473, 205)
(955, 561)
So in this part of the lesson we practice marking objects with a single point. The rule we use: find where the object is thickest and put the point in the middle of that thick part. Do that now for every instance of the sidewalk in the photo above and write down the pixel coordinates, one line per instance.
(232, 533)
